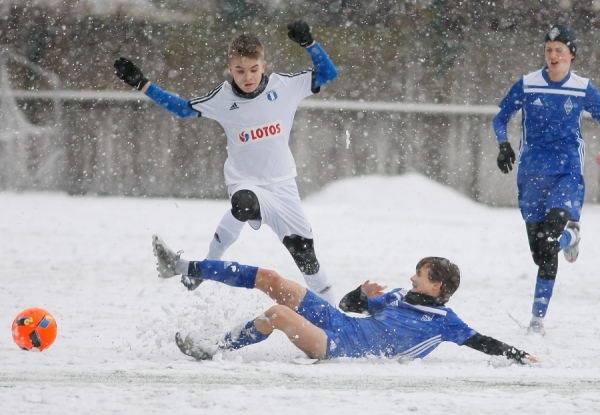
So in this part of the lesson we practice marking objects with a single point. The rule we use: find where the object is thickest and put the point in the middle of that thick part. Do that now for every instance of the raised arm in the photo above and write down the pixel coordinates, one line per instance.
(325, 70)
(491, 346)
(129, 73)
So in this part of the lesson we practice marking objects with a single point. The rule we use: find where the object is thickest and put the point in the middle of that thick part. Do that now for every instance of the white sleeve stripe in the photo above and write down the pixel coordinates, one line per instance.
(291, 75)
(206, 97)
(430, 310)
(421, 347)
(553, 91)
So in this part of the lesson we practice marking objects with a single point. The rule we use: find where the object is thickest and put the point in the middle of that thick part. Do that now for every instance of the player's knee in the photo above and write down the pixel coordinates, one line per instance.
(303, 252)
(278, 316)
(535, 234)
(556, 220)
(245, 206)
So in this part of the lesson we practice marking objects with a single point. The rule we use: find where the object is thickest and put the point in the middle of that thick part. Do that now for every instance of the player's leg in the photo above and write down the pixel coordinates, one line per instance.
(282, 210)
(544, 243)
(559, 231)
(301, 315)
(303, 252)
(288, 295)
(244, 207)
(568, 193)
(303, 334)
(533, 191)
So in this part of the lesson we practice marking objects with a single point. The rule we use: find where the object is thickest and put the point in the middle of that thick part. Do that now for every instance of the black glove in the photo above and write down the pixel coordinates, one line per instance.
(129, 73)
(355, 301)
(517, 355)
(506, 157)
(299, 32)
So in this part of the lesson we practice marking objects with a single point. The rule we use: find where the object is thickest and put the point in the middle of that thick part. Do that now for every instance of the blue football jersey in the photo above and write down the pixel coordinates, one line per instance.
(396, 328)
(551, 140)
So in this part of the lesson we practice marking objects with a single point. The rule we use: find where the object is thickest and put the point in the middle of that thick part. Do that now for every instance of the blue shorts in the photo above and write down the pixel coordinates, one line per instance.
(341, 330)
(539, 194)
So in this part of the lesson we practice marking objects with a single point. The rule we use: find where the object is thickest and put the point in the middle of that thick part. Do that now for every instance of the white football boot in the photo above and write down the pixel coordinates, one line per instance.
(167, 258)
(571, 251)
(189, 347)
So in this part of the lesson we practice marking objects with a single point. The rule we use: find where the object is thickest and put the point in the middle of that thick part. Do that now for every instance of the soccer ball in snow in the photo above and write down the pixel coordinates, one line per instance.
(34, 328)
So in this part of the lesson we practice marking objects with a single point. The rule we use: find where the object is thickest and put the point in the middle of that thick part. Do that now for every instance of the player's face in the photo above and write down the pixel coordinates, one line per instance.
(558, 58)
(247, 72)
(422, 285)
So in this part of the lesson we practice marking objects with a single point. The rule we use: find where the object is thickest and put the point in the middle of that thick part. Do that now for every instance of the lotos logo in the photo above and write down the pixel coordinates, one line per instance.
(261, 132)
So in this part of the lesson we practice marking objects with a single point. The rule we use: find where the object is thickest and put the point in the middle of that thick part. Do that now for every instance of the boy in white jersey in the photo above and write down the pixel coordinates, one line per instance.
(402, 323)
(550, 177)
(256, 111)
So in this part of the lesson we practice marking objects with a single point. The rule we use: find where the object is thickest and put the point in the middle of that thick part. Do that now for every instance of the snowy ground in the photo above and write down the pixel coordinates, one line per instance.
(88, 260)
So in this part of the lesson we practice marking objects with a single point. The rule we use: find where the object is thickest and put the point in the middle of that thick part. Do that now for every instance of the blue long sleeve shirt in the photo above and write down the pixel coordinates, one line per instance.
(324, 72)
(551, 141)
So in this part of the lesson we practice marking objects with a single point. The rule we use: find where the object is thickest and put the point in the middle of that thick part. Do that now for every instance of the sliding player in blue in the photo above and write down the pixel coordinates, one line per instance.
(407, 324)
(256, 111)
(550, 179)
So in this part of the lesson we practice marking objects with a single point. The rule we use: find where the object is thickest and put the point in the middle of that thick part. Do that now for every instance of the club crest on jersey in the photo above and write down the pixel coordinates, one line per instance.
(427, 317)
(260, 132)
(272, 96)
(568, 106)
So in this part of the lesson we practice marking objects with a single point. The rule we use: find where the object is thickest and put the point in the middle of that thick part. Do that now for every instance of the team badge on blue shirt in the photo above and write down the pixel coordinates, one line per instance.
(568, 106)
(272, 96)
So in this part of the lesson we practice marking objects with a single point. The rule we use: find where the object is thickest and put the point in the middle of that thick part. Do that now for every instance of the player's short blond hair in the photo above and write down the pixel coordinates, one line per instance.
(243, 45)
(441, 269)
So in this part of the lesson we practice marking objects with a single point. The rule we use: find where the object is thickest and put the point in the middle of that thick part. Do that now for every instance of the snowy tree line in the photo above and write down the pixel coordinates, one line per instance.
(415, 51)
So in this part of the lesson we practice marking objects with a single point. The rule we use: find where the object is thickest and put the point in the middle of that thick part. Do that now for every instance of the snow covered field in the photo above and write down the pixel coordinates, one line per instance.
(88, 260)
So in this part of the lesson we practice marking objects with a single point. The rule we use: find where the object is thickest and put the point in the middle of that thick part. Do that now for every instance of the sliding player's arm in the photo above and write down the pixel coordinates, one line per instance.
(493, 347)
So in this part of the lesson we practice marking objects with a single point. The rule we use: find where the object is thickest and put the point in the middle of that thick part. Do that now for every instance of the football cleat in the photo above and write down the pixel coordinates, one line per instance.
(167, 258)
(571, 251)
(189, 348)
(536, 327)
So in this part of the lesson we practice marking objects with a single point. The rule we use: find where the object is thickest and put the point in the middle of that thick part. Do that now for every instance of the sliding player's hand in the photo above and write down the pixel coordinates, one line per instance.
(372, 289)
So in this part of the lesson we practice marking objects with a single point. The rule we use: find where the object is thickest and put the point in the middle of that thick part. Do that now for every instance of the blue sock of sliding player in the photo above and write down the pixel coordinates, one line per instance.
(230, 273)
(541, 298)
(243, 336)
(565, 239)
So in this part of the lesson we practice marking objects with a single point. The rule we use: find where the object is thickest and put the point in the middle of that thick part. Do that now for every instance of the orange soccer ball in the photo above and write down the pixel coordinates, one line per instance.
(34, 328)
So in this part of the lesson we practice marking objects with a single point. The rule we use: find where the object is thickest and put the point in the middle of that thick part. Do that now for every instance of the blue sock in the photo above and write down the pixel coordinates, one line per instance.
(565, 239)
(243, 336)
(230, 273)
(541, 298)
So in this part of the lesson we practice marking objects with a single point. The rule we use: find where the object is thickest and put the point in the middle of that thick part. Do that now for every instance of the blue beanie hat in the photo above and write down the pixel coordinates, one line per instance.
(564, 34)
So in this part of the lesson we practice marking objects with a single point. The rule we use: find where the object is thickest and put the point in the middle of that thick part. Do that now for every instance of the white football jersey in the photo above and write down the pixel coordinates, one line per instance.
(257, 129)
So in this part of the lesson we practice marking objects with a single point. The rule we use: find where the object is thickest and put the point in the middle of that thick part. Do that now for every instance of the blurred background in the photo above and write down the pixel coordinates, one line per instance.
(68, 124)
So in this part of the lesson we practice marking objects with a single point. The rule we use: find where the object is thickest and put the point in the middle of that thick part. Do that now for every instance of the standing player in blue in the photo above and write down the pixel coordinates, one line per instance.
(256, 111)
(402, 323)
(551, 155)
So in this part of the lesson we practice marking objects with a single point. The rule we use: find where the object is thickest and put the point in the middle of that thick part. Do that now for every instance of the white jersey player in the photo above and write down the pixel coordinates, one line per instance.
(257, 112)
